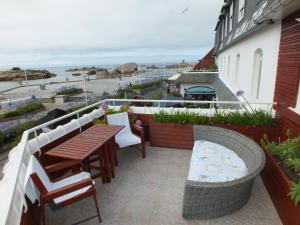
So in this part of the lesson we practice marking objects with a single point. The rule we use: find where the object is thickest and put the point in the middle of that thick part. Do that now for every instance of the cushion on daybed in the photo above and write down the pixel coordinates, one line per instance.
(211, 162)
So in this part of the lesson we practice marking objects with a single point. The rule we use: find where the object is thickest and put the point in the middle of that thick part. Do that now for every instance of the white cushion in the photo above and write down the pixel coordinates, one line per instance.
(72, 125)
(211, 162)
(32, 191)
(125, 137)
(96, 113)
(56, 133)
(71, 180)
(84, 119)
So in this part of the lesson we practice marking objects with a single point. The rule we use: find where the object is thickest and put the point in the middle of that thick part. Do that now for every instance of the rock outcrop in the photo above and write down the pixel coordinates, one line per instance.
(182, 64)
(128, 68)
(18, 75)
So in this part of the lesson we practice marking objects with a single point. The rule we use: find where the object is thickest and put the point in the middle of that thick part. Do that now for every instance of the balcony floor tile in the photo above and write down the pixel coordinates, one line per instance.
(150, 191)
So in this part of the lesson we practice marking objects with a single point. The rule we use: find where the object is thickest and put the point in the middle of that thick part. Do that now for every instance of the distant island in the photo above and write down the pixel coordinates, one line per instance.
(182, 64)
(18, 74)
(126, 68)
(78, 69)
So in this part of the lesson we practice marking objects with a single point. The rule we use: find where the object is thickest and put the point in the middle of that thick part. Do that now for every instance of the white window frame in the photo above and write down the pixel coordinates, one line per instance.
(257, 73)
(231, 17)
(237, 69)
(242, 4)
(228, 69)
(223, 29)
(226, 27)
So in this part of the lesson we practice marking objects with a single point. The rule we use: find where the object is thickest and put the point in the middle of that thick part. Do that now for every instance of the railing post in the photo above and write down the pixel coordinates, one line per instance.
(79, 122)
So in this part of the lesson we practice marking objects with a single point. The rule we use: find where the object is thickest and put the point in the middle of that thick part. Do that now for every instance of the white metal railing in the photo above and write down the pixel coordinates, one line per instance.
(12, 185)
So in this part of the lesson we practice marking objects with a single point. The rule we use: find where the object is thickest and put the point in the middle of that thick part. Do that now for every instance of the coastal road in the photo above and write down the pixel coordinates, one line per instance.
(95, 86)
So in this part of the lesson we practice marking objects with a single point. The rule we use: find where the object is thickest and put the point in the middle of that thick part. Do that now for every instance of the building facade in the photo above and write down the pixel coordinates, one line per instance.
(257, 46)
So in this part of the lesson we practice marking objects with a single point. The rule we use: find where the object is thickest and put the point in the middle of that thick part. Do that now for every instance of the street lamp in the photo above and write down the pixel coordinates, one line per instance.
(26, 77)
(84, 89)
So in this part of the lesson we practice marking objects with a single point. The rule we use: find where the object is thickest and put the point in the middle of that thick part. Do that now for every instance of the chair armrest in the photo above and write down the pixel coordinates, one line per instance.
(67, 189)
(62, 165)
(138, 128)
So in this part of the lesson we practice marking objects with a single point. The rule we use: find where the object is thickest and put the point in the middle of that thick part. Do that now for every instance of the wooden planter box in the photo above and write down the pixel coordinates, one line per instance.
(278, 186)
(181, 135)
(171, 135)
(255, 133)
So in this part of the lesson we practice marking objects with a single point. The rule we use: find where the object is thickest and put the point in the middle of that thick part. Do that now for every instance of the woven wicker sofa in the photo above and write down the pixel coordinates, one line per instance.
(203, 200)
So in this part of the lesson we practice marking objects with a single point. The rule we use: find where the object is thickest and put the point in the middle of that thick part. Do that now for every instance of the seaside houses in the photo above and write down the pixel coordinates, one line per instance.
(257, 47)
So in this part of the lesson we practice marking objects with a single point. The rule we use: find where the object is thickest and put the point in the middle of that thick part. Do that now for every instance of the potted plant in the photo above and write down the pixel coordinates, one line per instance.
(176, 129)
(282, 177)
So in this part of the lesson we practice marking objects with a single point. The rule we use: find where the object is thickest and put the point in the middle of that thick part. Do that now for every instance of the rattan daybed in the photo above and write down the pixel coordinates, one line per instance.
(203, 200)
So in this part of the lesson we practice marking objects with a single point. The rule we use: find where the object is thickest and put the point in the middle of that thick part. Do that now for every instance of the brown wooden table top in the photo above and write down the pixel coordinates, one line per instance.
(84, 144)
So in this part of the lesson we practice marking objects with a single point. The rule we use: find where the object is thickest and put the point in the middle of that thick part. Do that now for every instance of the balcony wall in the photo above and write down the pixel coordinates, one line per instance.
(288, 75)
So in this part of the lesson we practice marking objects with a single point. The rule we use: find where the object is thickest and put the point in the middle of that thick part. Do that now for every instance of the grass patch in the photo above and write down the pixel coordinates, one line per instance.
(12, 137)
(23, 110)
(70, 91)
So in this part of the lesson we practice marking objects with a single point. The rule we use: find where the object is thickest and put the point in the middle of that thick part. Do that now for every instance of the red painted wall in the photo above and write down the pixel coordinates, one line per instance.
(206, 62)
(288, 75)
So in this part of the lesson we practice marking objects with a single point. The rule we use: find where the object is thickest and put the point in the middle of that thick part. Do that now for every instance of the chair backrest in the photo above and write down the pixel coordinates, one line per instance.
(36, 168)
(120, 119)
(37, 181)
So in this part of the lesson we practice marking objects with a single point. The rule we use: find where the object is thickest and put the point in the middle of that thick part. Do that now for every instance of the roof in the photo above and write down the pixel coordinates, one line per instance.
(174, 77)
(197, 77)
(200, 90)
(206, 62)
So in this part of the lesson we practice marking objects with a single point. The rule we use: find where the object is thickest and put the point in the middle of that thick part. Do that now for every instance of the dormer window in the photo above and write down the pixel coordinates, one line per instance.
(231, 17)
(225, 27)
(241, 10)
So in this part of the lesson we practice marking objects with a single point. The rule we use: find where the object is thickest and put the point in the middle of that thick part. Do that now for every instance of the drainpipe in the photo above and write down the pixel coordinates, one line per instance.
(273, 8)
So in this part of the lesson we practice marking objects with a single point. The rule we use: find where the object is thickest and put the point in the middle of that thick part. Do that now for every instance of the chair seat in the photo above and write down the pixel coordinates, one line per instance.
(127, 139)
(71, 180)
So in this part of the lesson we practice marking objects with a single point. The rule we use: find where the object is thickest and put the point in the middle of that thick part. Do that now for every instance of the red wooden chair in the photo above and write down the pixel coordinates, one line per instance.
(61, 192)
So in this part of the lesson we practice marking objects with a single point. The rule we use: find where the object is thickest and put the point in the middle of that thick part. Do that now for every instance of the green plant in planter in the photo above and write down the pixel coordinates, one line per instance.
(255, 118)
(295, 193)
(123, 108)
(294, 163)
(289, 154)
(180, 117)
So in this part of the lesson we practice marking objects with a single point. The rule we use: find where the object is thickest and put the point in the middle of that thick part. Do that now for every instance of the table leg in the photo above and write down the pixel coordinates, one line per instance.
(111, 158)
(106, 163)
(102, 166)
(115, 149)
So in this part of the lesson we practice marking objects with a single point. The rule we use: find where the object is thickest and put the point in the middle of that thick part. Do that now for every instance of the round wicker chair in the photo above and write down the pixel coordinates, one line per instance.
(203, 200)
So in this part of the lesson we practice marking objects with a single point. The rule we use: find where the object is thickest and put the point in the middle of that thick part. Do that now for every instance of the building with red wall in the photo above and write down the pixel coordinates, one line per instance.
(206, 62)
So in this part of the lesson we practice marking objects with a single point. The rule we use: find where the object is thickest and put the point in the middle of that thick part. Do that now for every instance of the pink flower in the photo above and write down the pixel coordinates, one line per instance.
(104, 106)
(130, 111)
(138, 122)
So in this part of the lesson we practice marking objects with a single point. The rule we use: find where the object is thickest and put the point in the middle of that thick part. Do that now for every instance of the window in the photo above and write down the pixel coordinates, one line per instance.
(241, 10)
(237, 68)
(228, 69)
(226, 22)
(223, 29)
(231, 17)
(256, 77)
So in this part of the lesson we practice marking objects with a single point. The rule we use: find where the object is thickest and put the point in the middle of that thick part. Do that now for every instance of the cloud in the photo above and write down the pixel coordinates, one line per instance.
(39, 30)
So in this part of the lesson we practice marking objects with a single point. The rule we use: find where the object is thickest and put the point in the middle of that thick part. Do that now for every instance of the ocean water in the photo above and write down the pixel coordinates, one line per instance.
(63, 76)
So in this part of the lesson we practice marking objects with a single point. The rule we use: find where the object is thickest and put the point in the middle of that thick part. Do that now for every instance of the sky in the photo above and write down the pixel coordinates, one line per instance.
(36, 33)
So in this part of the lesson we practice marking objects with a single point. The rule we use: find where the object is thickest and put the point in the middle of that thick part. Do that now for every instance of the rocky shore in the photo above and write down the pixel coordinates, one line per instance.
(19, 75)
(182, 64)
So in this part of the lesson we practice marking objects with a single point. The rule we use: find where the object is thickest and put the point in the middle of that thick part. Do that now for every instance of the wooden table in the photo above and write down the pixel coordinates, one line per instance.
(96, 139)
